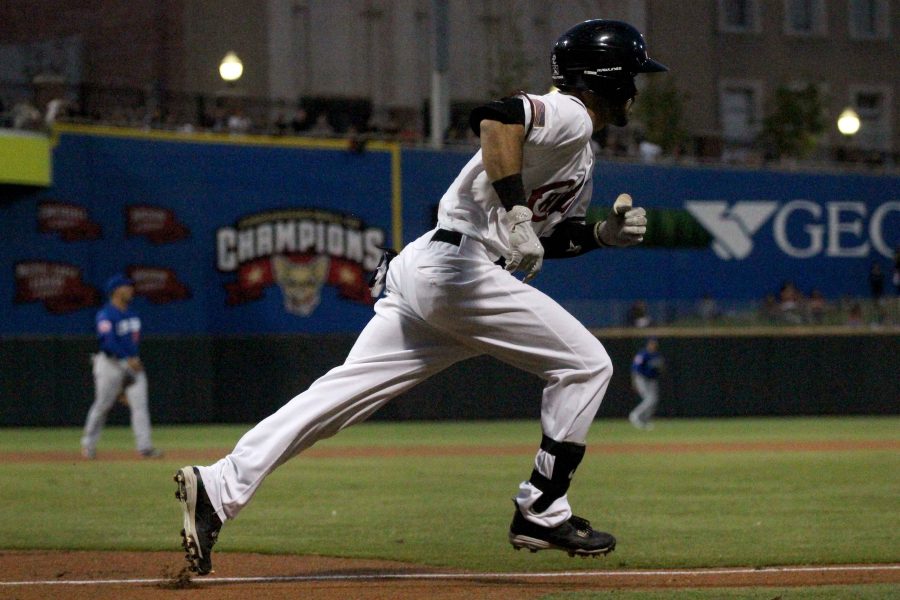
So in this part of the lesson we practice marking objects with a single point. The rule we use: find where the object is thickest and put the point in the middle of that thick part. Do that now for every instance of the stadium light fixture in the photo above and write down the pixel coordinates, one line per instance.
(231, 68)
(848, 122)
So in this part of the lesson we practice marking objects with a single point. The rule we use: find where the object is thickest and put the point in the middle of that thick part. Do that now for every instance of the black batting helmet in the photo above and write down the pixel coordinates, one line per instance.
(601, 56)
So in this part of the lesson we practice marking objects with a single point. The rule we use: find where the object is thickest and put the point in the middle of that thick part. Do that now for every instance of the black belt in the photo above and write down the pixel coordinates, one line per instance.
(109, 355)
(447, 236)
(455, 238)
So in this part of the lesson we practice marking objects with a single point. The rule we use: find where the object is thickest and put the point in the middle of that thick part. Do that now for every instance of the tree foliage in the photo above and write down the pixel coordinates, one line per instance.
(660, 107)
(795, 124)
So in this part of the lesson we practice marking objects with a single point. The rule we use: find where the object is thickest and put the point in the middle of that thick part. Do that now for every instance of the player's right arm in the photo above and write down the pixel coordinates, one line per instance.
(500, 126)
(501, 152)
(106, 334)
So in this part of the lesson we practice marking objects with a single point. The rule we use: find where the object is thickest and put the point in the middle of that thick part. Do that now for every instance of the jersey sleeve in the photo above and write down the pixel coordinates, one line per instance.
(509, 111)
(106, 333)
(556, 120)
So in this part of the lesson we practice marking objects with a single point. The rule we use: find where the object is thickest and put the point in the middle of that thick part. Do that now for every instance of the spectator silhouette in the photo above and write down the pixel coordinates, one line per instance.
(790, 303)
(321, 127)
(876, 281)
(817, 307)
(637, 314)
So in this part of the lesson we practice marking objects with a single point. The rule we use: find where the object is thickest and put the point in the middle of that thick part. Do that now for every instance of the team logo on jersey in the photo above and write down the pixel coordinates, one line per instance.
(540, 113)
(59, 286)
(733, 228)
(70, 221)
(159, 285)
(157, 224)
(300, 250)
(553, 197)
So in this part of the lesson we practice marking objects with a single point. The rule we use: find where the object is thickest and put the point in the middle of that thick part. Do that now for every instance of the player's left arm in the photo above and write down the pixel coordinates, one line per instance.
(625, 226)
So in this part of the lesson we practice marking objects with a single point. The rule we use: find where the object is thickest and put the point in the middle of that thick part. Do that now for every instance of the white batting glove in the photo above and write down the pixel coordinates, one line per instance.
(625, 226)
(526, 251)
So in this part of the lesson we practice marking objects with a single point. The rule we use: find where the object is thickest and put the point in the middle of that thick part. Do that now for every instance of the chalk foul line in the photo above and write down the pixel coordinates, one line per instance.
(499, 576)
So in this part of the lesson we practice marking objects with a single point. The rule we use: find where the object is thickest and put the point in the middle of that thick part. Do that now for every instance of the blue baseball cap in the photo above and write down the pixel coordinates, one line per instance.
(117, 281)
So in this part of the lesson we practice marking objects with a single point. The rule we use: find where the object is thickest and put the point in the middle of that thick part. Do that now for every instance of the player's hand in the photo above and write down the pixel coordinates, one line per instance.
(134, 363)
(625, 226)
(526, 250)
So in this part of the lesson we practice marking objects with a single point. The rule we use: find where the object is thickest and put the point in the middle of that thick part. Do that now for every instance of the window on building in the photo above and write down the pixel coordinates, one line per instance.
(805, 17)
(868, 19)
(739, 110)
(738, 16)
(872, 106)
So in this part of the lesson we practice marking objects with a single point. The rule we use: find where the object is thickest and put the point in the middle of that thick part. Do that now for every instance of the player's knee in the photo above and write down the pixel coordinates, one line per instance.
(599, 364)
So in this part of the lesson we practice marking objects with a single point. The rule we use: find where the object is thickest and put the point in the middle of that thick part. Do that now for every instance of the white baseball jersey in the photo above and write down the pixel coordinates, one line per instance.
(558, 163)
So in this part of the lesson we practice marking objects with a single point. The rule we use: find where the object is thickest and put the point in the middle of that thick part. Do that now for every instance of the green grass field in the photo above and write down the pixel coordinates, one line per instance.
(667, 509)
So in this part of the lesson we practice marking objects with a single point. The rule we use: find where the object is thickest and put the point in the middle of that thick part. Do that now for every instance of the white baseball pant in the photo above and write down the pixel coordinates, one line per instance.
(648, 390)
(109, 378)
(444, 303)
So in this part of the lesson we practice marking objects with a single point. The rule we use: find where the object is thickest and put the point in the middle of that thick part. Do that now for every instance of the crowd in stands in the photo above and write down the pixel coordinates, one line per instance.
(50, 100)
(788, 305)
(229, 115)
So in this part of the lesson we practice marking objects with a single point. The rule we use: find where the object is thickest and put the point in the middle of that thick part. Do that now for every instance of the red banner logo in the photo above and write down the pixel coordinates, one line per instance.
(160, 285)
(70, 221)
(58, 285)
(300, 277)
(157, 224)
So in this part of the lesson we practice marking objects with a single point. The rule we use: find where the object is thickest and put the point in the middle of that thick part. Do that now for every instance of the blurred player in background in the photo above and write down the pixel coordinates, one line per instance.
(451, 295)
(645, 371)
(118, 371)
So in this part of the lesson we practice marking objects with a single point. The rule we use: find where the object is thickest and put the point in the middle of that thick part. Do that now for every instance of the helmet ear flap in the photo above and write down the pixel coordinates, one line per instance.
(617, 90)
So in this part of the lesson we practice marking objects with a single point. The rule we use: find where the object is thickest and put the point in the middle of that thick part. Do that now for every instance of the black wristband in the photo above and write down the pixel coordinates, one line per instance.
(511, 190)
(596, 230)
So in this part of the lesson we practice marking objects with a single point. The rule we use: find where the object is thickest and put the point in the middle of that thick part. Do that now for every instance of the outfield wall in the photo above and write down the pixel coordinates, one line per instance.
(251, 255)
(242, 235)
(47, 382)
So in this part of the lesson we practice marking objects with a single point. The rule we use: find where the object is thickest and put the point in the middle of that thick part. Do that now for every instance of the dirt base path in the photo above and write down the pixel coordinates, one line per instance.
(33, 575)
(213, 454)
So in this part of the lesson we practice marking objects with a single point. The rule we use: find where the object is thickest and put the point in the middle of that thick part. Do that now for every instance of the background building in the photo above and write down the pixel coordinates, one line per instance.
(370, 61)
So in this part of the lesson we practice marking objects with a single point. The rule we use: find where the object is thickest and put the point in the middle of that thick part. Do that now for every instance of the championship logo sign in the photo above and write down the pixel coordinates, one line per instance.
(70, 221)
(301, 250)
(157, 224)
(160, 285)
(58, 285)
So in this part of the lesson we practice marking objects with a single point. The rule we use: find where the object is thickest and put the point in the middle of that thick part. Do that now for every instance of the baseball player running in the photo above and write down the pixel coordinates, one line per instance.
(118, 371)
(522, 198)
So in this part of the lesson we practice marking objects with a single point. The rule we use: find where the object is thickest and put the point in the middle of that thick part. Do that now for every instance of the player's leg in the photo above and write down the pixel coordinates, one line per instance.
(396, 350)
(539, 336)
(638, 416)
(651, 399)
(461, 292)
(108, 377)
(486, 308)
(140, 414)
(393, 353)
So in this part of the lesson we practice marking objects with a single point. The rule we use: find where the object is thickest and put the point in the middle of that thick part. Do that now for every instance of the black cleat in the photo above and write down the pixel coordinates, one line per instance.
(201, 523)
(575, 536)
